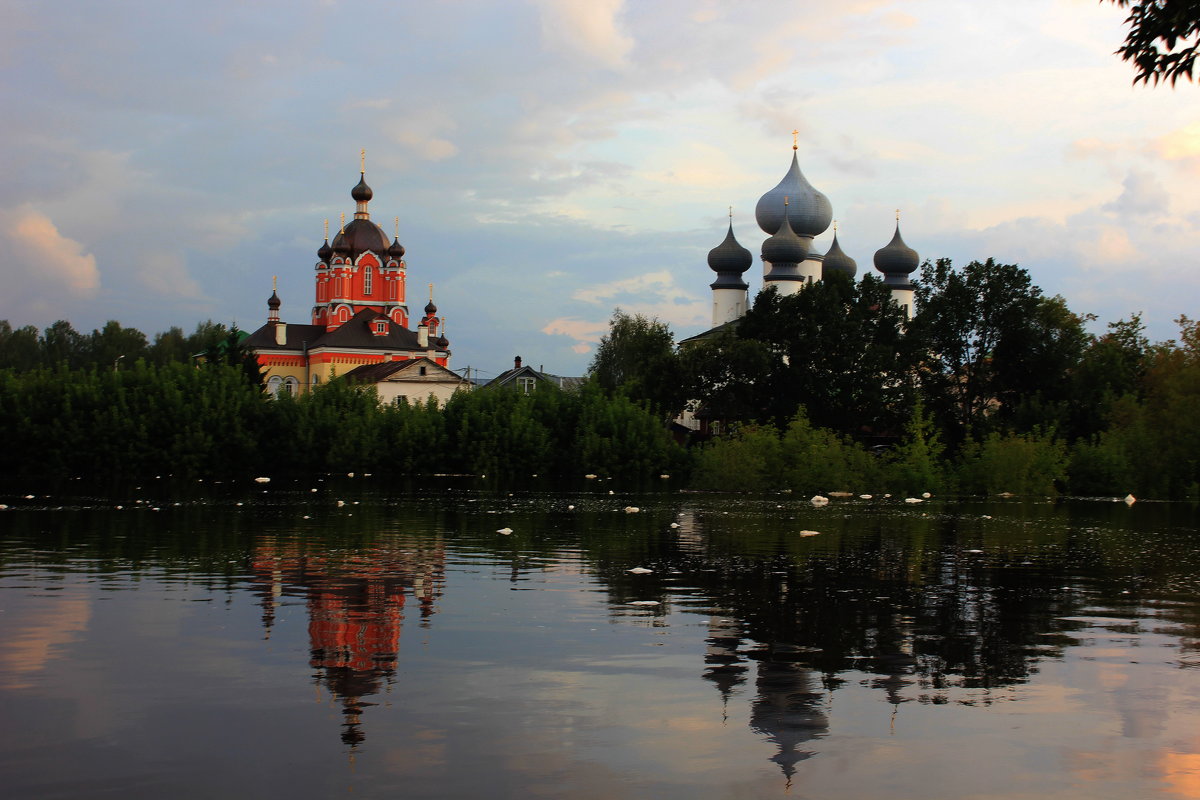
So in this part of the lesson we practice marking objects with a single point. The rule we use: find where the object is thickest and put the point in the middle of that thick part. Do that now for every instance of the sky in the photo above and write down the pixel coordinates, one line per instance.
(552, 160)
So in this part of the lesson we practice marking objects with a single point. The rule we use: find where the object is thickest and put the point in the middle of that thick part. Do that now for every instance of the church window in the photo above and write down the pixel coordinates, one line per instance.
(291, 385)
(273, 385)
(368, 279)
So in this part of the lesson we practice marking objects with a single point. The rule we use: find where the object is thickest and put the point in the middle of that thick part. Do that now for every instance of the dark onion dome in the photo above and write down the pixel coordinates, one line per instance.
(430, 308)
(836, 260)
(897, 258)
(396, 251)
(810, 210)
(784, 246)
(360, 236)
(729, 256)
(442, 342)
(273, 302)
(361, 192)
(325, 251)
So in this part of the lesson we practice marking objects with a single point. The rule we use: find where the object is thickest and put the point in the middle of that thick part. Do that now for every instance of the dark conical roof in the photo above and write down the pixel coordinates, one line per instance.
(810, 210)
(325, 251)
(430, 308)
(361, 192)
(396, 251)
(729, 256)
(784, 246)
(273, 302)
(896, 258)
(836, 260)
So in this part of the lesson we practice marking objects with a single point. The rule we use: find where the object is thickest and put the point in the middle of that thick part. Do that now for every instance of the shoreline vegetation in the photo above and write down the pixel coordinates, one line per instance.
(990, 388)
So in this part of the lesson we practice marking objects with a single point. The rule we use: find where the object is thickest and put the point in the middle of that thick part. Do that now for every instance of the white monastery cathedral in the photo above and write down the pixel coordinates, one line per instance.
(792, 214)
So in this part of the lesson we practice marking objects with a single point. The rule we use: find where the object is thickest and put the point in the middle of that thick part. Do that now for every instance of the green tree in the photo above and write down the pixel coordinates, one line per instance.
(113, 343)
(637, 357)
(62, 344)
(838, 348)
(1163, 38)
(20, 348)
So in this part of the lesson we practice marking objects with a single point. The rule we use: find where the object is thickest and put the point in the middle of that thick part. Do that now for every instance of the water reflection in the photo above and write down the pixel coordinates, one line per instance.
(356, 608)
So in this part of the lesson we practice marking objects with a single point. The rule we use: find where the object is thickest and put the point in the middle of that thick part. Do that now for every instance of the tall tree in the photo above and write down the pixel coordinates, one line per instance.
(637, 357)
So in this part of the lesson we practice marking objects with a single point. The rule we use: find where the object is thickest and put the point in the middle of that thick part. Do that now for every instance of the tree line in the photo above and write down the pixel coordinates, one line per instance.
(992, 386)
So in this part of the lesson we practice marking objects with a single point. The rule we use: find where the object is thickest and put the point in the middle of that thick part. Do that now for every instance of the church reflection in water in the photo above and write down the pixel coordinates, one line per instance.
(357, 604)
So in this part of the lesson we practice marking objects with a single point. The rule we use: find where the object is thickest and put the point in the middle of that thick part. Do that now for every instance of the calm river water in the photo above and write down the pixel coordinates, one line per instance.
(349, 638)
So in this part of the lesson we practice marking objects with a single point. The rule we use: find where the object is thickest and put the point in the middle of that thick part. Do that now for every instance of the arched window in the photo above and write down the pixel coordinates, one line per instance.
(291, 385)
(368, 278)
(273, 384)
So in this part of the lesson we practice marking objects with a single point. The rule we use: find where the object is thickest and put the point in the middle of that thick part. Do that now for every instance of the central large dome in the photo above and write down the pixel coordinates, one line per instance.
(809, 211)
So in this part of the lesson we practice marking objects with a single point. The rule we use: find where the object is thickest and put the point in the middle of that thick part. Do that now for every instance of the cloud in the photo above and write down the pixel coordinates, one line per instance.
(1143, 194)
(37, 253)
(584, 332)
(660, 284)
(590, 29)
(1181, 147)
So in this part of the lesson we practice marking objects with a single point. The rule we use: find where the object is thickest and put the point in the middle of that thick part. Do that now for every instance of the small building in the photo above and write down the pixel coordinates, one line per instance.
(412, 380)
(526, 379)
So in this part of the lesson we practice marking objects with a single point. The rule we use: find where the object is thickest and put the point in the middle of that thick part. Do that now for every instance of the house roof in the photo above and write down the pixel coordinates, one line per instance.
(406, 370)
(507, 377)
(355, 334)
(711, 333)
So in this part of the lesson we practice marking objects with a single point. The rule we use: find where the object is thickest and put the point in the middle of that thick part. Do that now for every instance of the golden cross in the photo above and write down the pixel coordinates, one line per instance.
(731, 212)
(343, 222)
(397, 227)
(327, 229)
(795, 136)
(835, 227)
(274, 288)
(897, 215)
(431, 292)
(362, 161)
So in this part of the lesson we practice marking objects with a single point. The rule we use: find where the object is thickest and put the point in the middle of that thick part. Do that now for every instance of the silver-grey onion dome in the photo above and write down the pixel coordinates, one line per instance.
(836, 260)
(810, 210)
(897, 258)
(729, 256)
(784, 246)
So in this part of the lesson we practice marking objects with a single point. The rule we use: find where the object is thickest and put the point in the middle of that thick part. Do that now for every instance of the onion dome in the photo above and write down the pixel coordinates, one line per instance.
(396, 251)
(274, 302)
(897, 259)
(361, 192)
(729, 256)
(784, 246)
(325, 250)
(810, 210)
(441, 342)
(359, 236)
(836, 260)
(430, 308)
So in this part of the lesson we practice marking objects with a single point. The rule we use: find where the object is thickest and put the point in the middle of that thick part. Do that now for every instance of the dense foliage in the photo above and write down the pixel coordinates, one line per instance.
(991, 387)
(1163, 39)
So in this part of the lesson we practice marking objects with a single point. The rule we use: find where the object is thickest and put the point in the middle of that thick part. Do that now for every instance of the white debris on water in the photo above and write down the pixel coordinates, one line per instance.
(640, 571)
(913, 500)
(632, 509)
(505, 531)
(262, 480)
(818, 500)
(810, 533)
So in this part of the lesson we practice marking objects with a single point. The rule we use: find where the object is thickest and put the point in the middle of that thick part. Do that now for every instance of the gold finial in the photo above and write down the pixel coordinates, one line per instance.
(897, 215)
(343, 222)
(362, 161)
(785, 199)
(274, 286)
(795, 138)
(397, 227)
(327, 229)
(431, 292)
(835, 227)
(731, 213)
